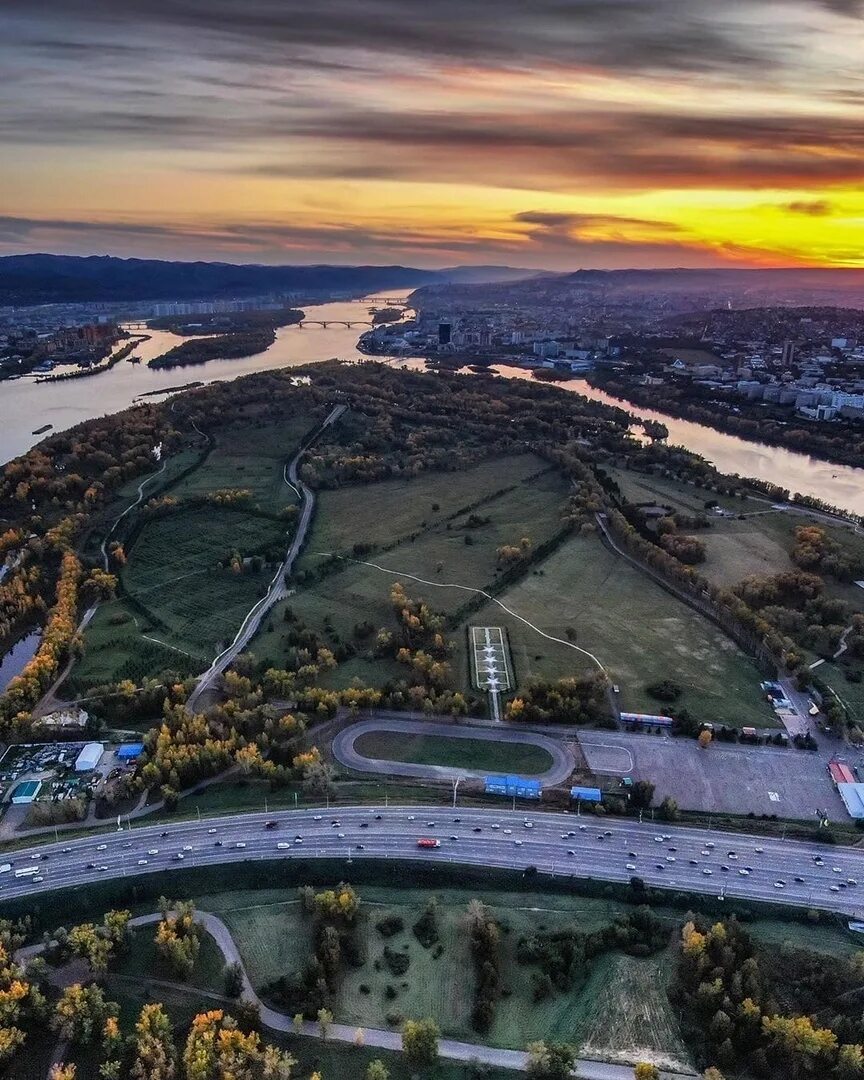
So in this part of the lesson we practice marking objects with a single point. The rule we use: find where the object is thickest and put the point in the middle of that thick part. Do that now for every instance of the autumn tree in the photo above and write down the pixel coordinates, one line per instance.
(550, 1061)
(178, 938)
(420, 1042)
(155, 1054)
(81, 1013)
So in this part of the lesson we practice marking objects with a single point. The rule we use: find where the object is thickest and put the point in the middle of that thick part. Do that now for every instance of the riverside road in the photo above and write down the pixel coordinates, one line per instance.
(567, 845)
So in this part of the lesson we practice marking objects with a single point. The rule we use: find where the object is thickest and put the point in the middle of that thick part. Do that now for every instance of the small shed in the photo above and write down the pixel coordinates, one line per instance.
(25, 792)
(586, 794)
(853, 798)
(89, 757)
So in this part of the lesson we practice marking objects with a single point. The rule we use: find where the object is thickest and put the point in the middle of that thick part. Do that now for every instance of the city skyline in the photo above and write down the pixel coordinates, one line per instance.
(549, 135)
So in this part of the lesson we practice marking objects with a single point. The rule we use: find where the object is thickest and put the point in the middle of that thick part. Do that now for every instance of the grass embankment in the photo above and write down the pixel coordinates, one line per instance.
(479, 754)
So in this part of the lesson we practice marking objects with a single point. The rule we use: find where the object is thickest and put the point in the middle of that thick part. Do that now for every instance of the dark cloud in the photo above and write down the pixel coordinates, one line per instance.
(645, 34)
(810, 207)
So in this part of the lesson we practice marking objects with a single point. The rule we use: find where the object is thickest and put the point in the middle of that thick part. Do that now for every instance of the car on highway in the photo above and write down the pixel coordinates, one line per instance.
(187, 847)
(90, 866)
(517, 842)
(779, 884)
(340, 836)
(142, 862)
(571, 852)
(476, 829)
(218, 843)
(153, 851)
(178, 857)
(744, 872)
(851, 881)
(428, 842)
(282, 846)
(271, 824)
(660, 866)
(317, 817)
(630, 866)
(707, 872)
(835, 888)
(364, 824)
(211, 831)
(240, 844)
(101, 847)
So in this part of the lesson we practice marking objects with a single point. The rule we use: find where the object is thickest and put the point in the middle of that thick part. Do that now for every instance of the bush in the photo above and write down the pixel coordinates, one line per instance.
(390, 925)
(397, 962)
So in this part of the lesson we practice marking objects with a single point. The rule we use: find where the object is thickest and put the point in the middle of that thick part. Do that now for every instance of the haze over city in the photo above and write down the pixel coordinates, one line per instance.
(619, 133)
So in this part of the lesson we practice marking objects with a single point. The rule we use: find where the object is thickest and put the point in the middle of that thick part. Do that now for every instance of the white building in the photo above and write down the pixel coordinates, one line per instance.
(89, 757)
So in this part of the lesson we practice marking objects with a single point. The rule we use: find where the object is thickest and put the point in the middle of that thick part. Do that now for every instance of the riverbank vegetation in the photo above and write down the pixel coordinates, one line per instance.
(232, 336)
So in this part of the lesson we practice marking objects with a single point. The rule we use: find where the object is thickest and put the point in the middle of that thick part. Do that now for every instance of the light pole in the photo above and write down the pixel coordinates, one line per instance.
(455, 789)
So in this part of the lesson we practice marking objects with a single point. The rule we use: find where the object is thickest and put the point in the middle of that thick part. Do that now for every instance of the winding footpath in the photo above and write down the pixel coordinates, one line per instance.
(382, 1038)
(277, 589)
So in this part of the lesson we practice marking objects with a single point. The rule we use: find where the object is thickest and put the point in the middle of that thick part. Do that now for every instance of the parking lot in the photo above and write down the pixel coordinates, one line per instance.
(725, 777)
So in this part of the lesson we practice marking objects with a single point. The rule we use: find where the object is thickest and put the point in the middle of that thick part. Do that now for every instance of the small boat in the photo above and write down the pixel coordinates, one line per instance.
(43, 429)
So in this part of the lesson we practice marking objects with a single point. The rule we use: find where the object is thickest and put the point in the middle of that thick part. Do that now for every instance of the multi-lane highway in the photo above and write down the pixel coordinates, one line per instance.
(732, 865)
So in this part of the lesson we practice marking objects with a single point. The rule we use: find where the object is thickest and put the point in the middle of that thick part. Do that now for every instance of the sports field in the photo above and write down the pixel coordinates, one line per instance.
(479, 754)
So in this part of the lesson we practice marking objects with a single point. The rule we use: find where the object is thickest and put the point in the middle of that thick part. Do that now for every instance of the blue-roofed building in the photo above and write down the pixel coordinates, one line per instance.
(586, 794)
(130, 751)
(513, 787)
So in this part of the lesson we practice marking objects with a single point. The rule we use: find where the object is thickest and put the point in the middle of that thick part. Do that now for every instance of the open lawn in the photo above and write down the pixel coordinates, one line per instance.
(464, 753)
(182, 606)
(439, 553)
(274, 936)
(252, 457)
(638, 632)
(503, 757)
(386, 512)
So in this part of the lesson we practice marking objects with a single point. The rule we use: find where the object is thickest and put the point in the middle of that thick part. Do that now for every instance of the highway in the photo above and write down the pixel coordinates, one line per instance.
(666, 856)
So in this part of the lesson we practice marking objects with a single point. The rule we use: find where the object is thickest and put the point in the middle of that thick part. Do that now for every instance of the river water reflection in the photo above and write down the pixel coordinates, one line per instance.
(25, 405)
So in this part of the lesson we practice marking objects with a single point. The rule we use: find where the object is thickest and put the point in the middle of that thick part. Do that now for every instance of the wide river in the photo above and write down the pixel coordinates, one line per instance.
(26, 405)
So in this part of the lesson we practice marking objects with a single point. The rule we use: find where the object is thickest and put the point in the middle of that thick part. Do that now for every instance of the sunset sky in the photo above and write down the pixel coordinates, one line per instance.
(542, 133)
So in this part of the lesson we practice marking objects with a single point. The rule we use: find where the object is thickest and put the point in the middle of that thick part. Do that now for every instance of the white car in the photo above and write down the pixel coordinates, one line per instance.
(759, 850)
(38, 878)
(582, 828)
(496, 826)
(142, 862)
(517, 842)
(187, 847)
(707, 872)
(282, 846)
(153, 851)
(835, 888)
(658, 839)
(508, 832)
(239, 844)
(732, 855)
(528, 824)
(743, 872)
(670, 858)
(704, 851)
(836, 870)
(101, 847)
(102, 869)
(340, 836)
(851, 881)
(411, 817)
(779, 884)
(178, 857)
(710, 844)
(630, 866)
(211, 831)
(564, 835)
(318, 817)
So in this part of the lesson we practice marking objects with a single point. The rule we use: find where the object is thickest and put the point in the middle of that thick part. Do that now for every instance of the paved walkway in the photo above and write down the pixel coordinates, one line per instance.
(563, 762)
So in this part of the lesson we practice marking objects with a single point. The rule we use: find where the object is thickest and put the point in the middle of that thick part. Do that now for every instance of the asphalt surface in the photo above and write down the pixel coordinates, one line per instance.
(346, 754)
(731, 778)
(561, 844)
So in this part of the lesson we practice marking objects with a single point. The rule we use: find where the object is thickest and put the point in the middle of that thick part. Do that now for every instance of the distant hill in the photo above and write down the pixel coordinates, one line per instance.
(482, 275)
(44, 279)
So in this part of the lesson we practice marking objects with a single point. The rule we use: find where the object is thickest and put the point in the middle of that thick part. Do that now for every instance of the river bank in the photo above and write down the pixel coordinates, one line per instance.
(27, 407)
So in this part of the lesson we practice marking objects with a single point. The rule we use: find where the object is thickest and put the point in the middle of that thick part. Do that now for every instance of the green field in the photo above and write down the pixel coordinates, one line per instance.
(478, 754)
(639, 632)
(250, 457)
(529, 506)
(623, 999)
